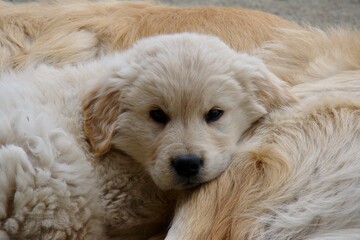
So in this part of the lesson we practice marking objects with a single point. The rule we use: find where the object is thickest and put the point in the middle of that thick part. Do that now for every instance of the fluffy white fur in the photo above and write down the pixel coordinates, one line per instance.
(59, 186)
(47, 183)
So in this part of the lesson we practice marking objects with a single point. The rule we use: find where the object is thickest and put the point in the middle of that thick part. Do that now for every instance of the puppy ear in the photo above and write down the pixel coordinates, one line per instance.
(270, 91)
(101, 108)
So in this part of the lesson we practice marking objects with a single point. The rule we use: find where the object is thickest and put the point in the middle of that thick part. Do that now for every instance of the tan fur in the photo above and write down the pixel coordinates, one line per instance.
(73, 31)
(101, 108)
(308, 55)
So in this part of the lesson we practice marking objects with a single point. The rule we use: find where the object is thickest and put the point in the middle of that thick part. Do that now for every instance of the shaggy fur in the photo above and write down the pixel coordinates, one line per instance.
(49, 115)
(296, 176)
(65, 32)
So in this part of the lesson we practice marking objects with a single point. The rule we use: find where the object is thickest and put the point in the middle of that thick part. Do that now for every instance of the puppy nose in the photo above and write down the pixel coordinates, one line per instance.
(187, 165)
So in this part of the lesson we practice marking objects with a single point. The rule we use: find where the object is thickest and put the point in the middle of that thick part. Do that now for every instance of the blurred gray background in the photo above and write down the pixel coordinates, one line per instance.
(320, 13)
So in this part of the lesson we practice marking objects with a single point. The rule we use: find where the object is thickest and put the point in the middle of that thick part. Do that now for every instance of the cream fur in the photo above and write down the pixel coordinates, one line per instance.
(49, 115)
(64, 32)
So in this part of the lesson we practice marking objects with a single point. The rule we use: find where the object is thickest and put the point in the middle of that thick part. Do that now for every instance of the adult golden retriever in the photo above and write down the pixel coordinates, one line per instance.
(73, 31)
(296, 175)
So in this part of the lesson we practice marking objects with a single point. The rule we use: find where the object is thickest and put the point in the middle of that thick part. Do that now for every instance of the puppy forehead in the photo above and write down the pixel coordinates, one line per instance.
(180, 69)
(177, 54)
(191, 95)
(179, 43)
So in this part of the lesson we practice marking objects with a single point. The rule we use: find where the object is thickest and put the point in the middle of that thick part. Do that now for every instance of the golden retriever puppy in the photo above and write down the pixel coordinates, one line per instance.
(174, 106)
(185, 103)
(73, 31)
(295, 177)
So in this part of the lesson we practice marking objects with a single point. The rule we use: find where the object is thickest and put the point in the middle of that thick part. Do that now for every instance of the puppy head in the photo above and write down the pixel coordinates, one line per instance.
(179, 104)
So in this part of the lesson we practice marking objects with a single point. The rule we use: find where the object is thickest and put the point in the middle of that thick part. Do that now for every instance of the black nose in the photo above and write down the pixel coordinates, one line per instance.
(187, 165)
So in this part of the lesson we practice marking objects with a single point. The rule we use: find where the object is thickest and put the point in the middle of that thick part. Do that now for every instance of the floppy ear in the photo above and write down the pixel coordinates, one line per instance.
(101, 108)
(270, 91)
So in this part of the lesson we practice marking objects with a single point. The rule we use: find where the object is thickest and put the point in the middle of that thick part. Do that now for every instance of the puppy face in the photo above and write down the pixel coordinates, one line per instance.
(179, 104)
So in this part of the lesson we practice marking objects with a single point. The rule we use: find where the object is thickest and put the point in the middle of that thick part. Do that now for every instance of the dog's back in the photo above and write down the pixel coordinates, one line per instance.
(69, 32)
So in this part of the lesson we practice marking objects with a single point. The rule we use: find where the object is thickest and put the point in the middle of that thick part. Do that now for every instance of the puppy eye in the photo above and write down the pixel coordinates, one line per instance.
(213, 115)
(159, 116)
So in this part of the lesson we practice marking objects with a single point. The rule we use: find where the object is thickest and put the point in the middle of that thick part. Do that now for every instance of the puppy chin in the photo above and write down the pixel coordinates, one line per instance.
(187, 183)
(176, 183)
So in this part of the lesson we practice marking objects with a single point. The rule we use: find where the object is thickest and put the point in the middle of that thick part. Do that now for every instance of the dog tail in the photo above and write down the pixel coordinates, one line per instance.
(306, 55)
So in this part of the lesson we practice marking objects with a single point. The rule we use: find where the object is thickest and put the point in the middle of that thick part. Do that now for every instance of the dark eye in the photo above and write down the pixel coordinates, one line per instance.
(213, 115)
(159, 116)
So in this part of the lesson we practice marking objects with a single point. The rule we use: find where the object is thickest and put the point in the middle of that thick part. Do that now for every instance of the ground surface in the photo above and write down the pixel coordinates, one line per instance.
(314, 12)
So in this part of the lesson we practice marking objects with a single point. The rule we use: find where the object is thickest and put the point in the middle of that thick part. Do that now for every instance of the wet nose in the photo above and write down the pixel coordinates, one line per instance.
(187, 165)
